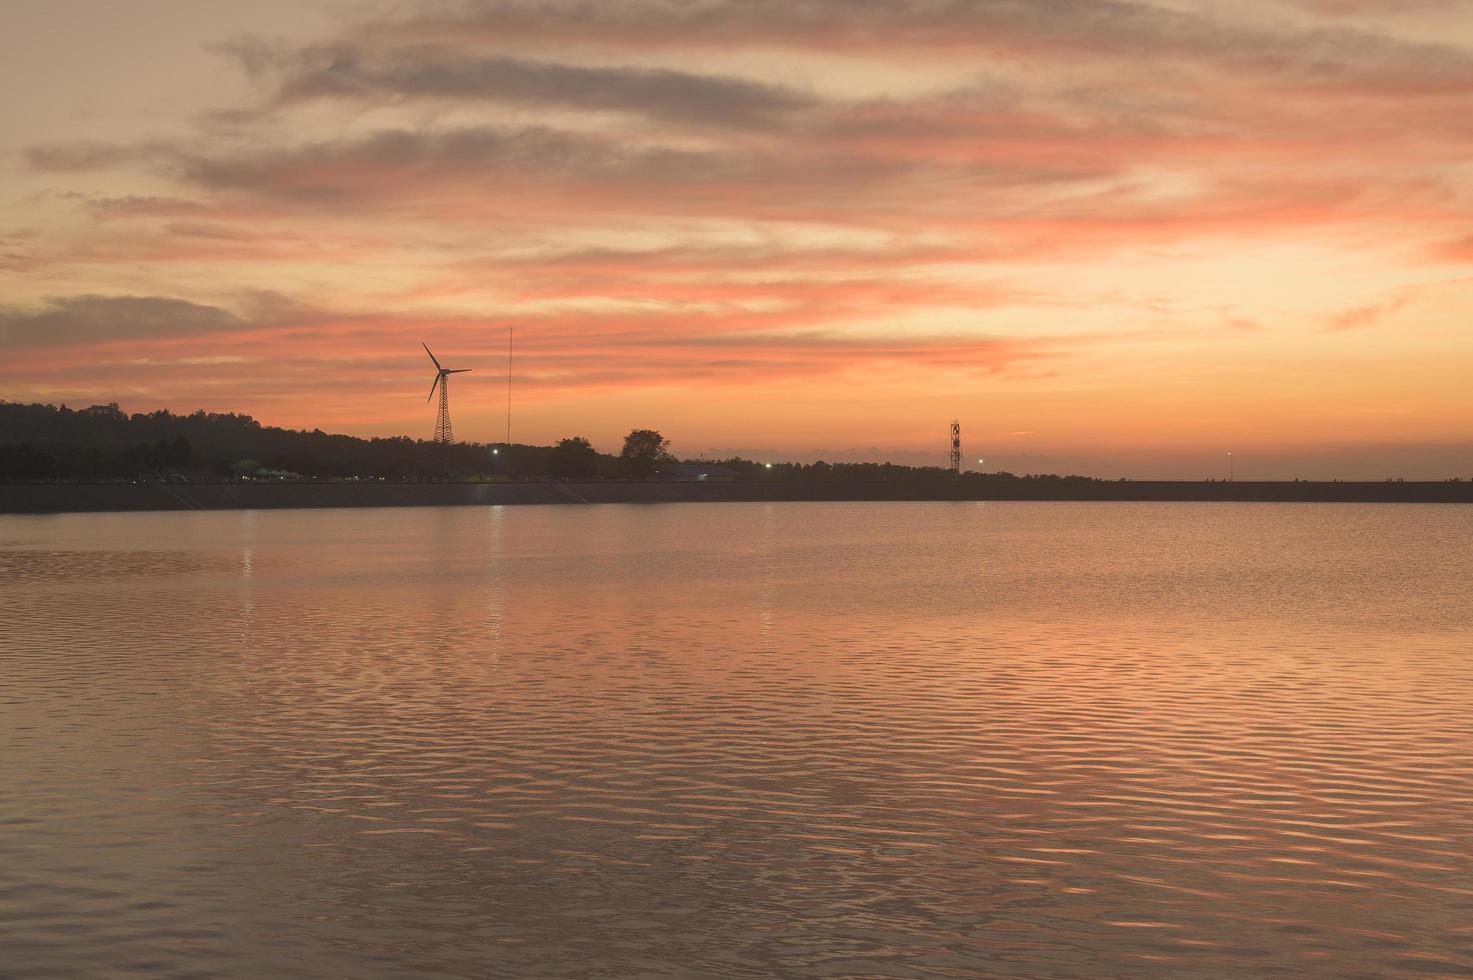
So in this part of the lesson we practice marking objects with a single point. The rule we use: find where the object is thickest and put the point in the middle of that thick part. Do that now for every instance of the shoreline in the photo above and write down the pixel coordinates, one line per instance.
(61, 498)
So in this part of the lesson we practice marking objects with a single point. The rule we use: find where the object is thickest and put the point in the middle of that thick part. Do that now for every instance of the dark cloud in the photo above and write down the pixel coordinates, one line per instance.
(342, 71)
(577, 170)
(348, 169)
(420, 167)
(140, 205)
(209, 231)
(1091, 28)
(89, 319)
(81, 156)
(1356, 8)
(946, 154)
(332, 169)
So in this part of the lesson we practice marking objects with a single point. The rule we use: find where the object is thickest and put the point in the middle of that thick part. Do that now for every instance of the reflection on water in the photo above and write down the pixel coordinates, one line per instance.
(739, 740)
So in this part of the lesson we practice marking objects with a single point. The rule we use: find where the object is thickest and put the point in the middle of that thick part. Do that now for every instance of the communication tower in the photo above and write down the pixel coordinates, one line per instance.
(956, 447)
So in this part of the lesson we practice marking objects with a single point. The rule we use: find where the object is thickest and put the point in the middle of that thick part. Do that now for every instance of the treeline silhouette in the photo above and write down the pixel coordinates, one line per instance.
(102, 442)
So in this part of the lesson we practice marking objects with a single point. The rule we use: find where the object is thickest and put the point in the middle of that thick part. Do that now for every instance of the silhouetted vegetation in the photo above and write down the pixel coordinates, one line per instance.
(103, 442)
(573, 459)
(26, 462)
(45, 442)
(644, 450)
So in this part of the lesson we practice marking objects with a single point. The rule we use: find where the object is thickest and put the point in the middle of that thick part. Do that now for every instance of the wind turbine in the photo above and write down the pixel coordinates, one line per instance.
(443, 434)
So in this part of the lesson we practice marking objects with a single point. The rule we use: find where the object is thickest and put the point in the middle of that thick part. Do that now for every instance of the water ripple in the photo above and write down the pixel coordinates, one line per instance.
(896, 740)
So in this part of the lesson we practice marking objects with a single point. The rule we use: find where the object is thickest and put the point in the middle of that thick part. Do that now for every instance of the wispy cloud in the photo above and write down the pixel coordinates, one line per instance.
(76, 320)
(444, 73)
(1118, 29)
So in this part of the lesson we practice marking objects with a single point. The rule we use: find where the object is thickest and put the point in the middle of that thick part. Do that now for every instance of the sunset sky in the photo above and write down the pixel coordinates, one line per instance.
(1110, 236)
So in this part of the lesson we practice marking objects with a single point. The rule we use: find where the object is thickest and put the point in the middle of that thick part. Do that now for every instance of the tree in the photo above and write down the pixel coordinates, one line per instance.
(644, 449)
(179, 452)
(573, 459)
(25, 462)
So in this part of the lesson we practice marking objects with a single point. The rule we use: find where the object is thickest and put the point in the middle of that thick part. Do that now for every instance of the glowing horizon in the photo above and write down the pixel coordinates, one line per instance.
(1129, 234)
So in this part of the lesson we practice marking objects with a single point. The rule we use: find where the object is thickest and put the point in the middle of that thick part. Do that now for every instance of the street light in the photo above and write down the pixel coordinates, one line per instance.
(1230, 467)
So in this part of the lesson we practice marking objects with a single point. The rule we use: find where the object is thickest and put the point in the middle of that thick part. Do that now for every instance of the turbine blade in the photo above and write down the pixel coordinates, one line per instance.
(432, 387)
(432, 356)
(460, 371)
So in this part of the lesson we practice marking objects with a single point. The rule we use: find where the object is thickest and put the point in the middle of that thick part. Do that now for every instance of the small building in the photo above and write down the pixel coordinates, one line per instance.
(697, 473)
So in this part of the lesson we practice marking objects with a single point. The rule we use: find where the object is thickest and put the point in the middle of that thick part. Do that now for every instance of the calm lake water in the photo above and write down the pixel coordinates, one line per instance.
(897, 739)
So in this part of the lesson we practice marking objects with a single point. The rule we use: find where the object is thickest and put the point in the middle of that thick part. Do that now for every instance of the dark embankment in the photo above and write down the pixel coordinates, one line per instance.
(51, 498)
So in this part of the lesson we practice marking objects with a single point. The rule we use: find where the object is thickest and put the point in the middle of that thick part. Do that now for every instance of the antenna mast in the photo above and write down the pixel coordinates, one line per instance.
(956, 447)
(510, 333)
